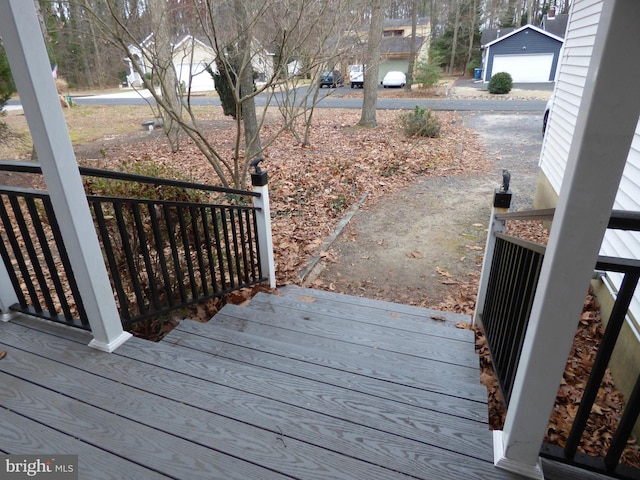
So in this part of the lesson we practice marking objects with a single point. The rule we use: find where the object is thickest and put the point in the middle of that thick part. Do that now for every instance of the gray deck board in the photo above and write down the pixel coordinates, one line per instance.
(317, 326)
(20, 434)
(365, 376)
(373, 307)
(369, 317)
(213, 402)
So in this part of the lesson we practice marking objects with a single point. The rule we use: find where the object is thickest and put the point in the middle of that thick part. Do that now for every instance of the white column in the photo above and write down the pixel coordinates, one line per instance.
(29, 62)
(605, 126)
(263, 220)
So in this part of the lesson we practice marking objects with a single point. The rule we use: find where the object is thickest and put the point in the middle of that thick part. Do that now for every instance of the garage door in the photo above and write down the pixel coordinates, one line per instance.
(524, 68)
(200, 79)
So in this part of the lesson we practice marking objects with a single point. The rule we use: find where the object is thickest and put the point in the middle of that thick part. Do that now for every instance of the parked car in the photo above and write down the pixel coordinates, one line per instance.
(394, 79)
(545, 118)
(356, 76)
(331, 79)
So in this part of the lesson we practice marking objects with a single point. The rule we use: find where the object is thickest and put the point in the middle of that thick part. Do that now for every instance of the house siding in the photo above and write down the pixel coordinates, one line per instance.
(535, 43)
(576, 57)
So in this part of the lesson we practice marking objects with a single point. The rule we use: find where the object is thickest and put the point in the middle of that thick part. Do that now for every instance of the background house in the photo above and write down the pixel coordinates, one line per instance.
(190, 60)
(529, 54)
(577, 56)
(395, 48)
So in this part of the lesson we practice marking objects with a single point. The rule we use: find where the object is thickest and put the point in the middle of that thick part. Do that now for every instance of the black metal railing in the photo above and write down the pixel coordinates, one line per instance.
(515, 270)
(513, 278)
(161, 255)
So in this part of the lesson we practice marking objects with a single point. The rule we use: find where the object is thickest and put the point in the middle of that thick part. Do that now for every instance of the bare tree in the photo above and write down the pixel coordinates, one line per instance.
(244, 30)
(368, 116)
(412, 44)
(165, 72)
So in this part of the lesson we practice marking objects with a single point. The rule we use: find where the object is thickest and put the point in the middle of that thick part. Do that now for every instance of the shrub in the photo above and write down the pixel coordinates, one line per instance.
(420, 123)
(500, 83)
(426, 74)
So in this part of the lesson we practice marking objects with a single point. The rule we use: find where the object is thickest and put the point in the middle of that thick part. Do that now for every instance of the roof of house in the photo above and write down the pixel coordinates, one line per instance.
(403, 22)
(518, 30)
(398, 45)
(556, 24)
(490, 34)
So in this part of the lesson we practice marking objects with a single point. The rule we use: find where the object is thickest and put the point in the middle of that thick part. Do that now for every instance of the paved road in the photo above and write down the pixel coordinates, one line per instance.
(335, 98)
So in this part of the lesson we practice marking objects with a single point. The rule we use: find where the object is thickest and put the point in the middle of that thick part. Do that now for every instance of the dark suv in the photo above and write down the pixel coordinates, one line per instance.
(331, 79)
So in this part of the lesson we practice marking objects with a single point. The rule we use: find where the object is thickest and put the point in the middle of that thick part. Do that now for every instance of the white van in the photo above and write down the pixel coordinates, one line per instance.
(356, 76)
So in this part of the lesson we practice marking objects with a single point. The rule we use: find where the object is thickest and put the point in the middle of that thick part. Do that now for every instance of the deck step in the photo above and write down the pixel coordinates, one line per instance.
(349, 363)
(374, 308)
(316, 329)
(438, 324)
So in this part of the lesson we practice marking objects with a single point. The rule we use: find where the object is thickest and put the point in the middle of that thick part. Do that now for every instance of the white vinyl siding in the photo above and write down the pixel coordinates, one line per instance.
(575, 59)
(572, 75)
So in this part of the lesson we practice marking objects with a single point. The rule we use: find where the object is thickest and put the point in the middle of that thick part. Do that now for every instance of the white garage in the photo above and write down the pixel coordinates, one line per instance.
(524, 68)
(196, 75)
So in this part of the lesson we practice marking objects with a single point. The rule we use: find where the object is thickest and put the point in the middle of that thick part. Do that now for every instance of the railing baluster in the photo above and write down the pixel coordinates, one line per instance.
(146, 256)
(123, 230)
(48, 260)
(19, 259)
(234, 235)
(174, 253)
(250, 243)
(33, 258)
(623, 432)
(197, 245)
(157, 237)
(187, 251)
(607, 344)
(218, 217)
(243, 245)
(116, 278)
(207, 245)
(258, 262)
(66, 262)
(227, 245)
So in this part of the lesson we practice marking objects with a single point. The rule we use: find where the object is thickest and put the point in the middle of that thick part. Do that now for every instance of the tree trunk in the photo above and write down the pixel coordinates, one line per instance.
(472, 29)
(245, 89)
(369, 104)
(166, 72)
(412, 48)
(454, 42)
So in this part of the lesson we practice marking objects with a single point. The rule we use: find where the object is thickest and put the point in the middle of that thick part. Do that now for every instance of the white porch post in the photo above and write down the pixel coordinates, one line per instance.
(606, 123)
(29, 62)
(260, 183)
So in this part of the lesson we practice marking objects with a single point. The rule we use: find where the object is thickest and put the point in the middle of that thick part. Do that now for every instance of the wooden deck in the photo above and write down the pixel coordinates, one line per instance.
(307, 385)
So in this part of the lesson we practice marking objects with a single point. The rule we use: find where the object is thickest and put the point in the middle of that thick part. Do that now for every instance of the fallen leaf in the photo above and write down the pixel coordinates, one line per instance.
(415, 255)
(308, 299)
(438, 317)
(3, 354)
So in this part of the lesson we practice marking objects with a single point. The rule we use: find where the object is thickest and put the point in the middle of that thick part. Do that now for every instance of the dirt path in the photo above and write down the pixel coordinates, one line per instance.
(421, 245)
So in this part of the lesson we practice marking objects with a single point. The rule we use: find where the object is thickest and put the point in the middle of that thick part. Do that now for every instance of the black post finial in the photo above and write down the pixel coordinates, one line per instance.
(259, 178)
(506, 179)
(255, 163)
